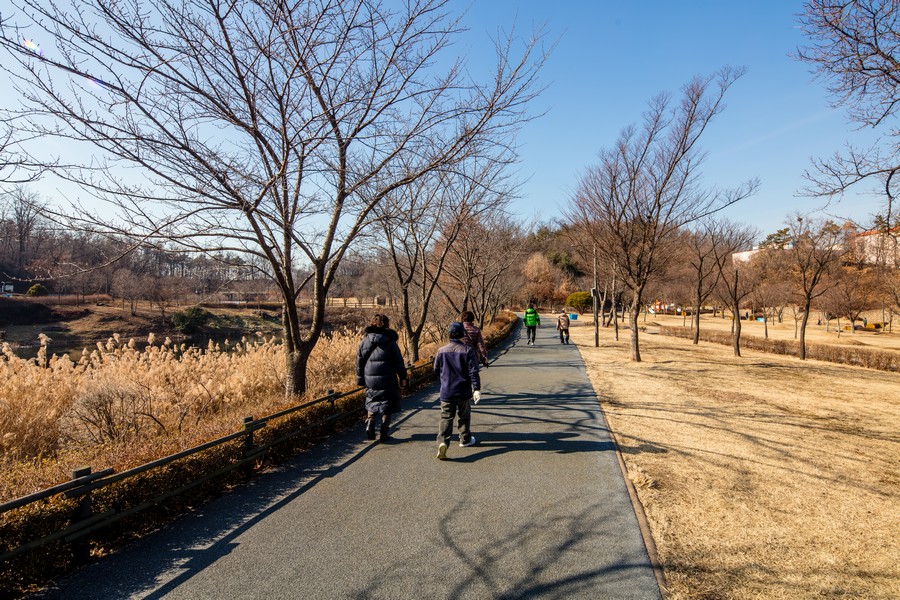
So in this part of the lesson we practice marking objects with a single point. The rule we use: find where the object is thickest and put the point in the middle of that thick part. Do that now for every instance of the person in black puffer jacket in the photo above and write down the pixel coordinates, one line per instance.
(379, 367)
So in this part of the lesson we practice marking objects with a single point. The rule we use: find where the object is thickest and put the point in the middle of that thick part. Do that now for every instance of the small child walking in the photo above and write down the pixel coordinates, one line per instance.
(562, 325)
(456, 366)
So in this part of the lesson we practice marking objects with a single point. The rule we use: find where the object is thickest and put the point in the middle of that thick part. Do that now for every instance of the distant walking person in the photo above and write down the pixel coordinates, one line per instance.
(379, 367)
(473, 337)
(532, 322)
(456, 366)
(562, 325)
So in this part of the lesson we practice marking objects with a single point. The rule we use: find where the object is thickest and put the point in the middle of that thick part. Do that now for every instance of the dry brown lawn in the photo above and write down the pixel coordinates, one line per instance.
(825, 334)
(762, 476)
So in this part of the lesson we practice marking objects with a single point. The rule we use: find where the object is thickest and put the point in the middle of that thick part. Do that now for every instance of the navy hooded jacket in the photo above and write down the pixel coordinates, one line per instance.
(456, 365)
(379, 363)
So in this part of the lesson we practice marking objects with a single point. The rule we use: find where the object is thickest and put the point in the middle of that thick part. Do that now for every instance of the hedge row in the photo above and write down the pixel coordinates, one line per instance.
(872, 358)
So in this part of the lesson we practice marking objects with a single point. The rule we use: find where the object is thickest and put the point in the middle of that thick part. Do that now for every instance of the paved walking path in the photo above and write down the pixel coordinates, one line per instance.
(537, 509)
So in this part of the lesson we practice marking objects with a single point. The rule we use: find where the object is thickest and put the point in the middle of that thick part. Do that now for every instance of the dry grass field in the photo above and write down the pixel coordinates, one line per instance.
(762, 476)
(825, 334)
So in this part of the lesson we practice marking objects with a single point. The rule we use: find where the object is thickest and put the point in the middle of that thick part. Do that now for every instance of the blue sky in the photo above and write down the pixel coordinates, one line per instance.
(612, 57)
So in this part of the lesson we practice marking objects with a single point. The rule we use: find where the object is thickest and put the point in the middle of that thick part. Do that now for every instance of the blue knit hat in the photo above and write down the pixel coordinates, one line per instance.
(456, 330)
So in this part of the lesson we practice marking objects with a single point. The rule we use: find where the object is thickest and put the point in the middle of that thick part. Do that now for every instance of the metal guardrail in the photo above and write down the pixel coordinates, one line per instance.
(84, 521)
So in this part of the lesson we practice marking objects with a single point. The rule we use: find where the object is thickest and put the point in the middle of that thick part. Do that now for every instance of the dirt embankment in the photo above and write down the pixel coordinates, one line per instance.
(72, 328)
(14, 312)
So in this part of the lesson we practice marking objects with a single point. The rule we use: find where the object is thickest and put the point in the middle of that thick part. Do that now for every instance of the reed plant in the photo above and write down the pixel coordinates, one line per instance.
(120, 405)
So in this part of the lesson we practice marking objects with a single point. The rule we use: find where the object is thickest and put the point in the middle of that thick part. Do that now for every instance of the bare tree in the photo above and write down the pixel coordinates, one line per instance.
(769, 268)
(497, 280)
(816, 250)
(890, 289)
(260, 127)
(852, 294)
(736, 280)
(853, 47)
(647, 186)
(419, 226)
(22, 230)
(15, 168)
(541, 279)
(128, 286)
(485, 249)
(701, 256)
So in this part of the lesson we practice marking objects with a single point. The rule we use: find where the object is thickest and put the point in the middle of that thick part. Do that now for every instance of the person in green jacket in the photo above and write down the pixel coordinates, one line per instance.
(532, 322)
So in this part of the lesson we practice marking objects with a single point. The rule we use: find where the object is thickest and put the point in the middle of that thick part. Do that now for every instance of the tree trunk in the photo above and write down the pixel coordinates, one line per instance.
(614, 315)
(412, 335)
(803, 323)
(296, 349)
(696, 321)
(295, 376)
(603, 307)
(413, 346)
(736, 329)
(635, 313)
(766, 325)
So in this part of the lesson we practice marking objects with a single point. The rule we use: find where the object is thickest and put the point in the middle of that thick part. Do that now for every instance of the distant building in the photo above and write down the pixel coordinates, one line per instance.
(873, 247)
(877, 247)
(746, 255)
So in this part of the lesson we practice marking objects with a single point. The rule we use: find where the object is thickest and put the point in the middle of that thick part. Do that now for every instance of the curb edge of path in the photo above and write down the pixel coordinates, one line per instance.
(643, 523)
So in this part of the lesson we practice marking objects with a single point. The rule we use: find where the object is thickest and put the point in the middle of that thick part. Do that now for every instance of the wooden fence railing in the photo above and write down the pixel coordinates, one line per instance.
(84, 521)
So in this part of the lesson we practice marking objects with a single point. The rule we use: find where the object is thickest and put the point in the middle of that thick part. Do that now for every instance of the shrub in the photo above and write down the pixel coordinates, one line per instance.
(37, 290)
(580, 301)
(191, 319)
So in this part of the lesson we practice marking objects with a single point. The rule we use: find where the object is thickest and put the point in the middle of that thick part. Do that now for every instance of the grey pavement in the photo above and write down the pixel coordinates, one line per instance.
(537, 509)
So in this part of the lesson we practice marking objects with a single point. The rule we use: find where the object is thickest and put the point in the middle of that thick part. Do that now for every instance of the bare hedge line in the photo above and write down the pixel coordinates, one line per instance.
(871, 358)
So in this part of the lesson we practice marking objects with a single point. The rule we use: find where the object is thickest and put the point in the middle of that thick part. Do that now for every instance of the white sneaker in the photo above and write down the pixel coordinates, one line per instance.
(472, 442)
(442, 452)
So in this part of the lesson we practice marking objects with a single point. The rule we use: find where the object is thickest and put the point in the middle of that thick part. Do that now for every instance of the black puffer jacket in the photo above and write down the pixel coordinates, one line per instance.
(379, 364)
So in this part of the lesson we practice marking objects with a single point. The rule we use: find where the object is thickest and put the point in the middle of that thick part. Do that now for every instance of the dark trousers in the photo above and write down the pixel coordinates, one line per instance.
(449, 410)
(532, 331)
(564, 335)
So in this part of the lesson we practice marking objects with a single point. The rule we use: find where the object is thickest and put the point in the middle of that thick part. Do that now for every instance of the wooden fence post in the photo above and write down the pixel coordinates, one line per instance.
(81, 548)
(248, 439)
(248, 445)
(331, 398)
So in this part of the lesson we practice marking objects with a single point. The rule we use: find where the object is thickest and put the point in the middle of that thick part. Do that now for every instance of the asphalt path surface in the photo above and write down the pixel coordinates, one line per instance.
(538, 508)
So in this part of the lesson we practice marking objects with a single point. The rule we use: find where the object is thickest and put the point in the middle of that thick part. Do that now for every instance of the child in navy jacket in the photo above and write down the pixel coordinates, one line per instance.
(456, 365)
